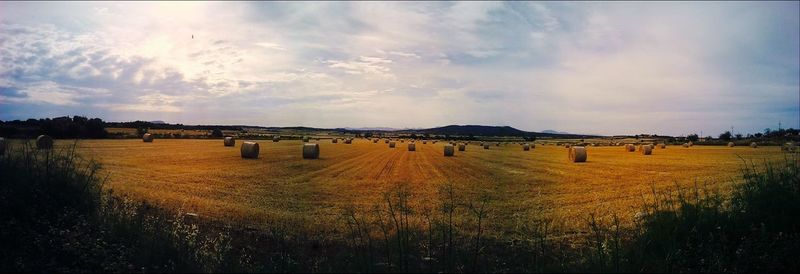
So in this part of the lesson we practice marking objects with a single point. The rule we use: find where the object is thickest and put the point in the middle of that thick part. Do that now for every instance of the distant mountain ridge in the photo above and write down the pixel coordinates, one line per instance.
(454, 130)
(480, 130)
(554, 132)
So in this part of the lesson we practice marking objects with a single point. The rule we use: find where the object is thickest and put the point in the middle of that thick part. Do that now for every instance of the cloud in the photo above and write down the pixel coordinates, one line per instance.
(608, 68)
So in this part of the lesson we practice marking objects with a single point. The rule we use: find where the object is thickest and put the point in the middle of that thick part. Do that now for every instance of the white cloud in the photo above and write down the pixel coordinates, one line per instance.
(584, 67)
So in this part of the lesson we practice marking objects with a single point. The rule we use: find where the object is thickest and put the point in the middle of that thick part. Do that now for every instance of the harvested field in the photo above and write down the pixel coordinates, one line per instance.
(202, 176)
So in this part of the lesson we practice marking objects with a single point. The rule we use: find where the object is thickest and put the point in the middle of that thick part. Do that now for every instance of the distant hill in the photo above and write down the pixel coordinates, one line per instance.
(372, 128)
(478, 130)
(550, 131)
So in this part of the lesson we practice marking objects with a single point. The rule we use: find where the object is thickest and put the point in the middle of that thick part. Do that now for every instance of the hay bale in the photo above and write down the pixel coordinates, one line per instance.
(753, 145)
(249, 150)
(424, 142)
(630, 148)
(577, 154)
(462, 147)
(686, 145)
(306, 139)
(662, 145)
(485, 146)
(386, 141)
(526, 147)
(276, 138)
(391, 144)
(449, 150)
(44, 142)
(310, 151)
(789, 147)
(374, 141)
(646, 149)
(498, 144)
(229, 141)
(348, 141)
(434, 141)
(690, 143)
(567, 146)
(412, 146)
(335, 140)
(731, 144)
(533, 145)
(2, 145)
(147, 138)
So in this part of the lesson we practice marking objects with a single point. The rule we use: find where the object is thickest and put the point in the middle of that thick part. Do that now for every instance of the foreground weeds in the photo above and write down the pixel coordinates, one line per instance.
(56, 216)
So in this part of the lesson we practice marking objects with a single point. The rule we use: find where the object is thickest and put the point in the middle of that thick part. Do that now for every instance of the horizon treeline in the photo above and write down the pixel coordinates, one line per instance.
(79, 127)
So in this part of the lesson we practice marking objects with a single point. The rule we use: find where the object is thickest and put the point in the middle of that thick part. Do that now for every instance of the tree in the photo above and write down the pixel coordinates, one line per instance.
(725, 136)
(738, 136)
(216, 133)
(692, 137)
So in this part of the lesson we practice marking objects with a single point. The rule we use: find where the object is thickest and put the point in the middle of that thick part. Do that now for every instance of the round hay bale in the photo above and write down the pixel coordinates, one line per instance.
(249, 150)
(306, 139)
(424, 142)
(449, 150)
(753, 145)
(434, 141)
(335, 140)
(789, 147)
(147, 138)
(690, 143)
(402, 140)
(348, 141)
(462, 147)
(391, 144)
(497, 144)
(276, 138)
(662, 145)
(533, 145)
(686, 145)
(577, 154)
(2, 145)
(646, 149)
(526, 147)
(485, 146)
(567, 146)
(375, 141)
(310, 151)
(412, 146)
(731, 144)
(386, 141)
(229, 141)
(630, 148)
(44, 142)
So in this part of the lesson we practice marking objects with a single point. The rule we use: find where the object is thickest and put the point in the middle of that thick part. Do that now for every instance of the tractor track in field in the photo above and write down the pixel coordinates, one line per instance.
(387, 168)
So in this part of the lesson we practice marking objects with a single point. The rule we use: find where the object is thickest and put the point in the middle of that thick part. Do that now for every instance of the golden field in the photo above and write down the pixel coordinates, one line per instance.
(204, 177)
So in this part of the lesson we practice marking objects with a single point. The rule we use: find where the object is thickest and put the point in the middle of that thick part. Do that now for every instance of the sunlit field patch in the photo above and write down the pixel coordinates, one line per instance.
(205, 177)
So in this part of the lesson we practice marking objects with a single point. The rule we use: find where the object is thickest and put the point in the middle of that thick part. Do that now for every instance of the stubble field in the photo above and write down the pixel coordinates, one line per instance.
(204, 177)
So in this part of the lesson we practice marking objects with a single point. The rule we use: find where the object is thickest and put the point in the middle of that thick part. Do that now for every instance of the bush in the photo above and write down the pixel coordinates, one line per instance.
(756, 230)
(57, 218)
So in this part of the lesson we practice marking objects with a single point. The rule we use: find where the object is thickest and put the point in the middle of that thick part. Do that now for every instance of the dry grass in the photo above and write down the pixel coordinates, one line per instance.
(205, 177)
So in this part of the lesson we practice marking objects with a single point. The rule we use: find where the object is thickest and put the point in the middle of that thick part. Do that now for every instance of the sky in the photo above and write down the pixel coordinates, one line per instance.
(671, 68)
